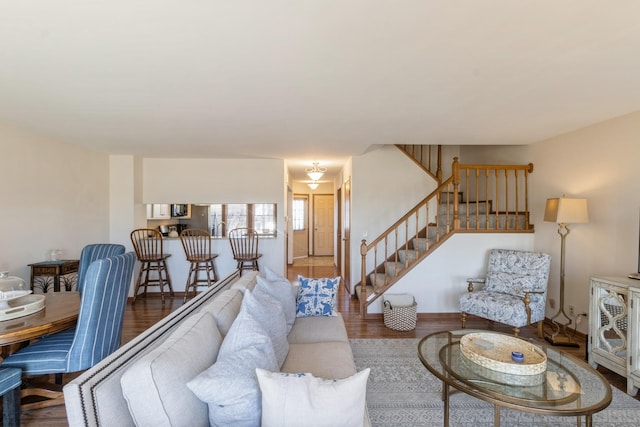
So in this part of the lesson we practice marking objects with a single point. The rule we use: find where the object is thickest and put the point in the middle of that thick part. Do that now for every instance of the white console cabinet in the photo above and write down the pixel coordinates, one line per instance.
(633, 379)
(611, 333)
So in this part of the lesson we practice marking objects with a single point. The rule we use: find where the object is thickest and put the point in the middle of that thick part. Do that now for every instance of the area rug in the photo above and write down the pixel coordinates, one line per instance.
(401, 392)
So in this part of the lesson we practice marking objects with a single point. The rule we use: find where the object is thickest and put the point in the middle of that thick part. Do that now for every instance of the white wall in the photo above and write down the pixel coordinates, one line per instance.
(599, 163)
(53, 195)
(385, 185)
(438, 281)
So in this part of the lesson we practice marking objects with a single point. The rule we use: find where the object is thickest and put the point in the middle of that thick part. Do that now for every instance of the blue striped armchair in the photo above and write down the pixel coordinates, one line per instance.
(92, 253)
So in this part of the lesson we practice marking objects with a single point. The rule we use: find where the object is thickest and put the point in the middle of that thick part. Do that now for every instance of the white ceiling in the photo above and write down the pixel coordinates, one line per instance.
(313, 80)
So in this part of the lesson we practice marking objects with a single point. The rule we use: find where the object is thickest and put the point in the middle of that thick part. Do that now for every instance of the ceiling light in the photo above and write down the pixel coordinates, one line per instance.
(316, 172)
(313, 185)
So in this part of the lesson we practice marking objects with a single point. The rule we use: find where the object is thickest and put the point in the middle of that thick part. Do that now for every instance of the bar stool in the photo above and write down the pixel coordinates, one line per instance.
(244, 246)
(197, 248)
(147, 243)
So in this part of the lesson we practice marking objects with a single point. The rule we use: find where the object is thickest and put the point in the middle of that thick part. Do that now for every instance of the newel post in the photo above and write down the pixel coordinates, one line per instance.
(455, 172)
(363, 277)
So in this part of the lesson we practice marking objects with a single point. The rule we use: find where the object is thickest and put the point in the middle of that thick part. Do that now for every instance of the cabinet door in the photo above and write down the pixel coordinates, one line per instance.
(609, 320)
(159, 211)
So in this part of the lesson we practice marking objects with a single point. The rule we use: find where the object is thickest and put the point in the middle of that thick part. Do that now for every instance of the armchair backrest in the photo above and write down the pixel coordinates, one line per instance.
(515, 272)
(102, 305)
(92, 253)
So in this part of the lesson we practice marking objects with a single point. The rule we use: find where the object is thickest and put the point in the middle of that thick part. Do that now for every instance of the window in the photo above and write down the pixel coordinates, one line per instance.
(299, 214)
(259, 216)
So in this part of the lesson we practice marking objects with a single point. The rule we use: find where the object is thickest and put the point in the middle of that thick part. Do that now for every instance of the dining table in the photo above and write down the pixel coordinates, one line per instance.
(60, 312)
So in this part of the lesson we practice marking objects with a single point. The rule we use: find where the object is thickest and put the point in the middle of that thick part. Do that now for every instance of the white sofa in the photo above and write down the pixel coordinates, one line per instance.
(145, 381)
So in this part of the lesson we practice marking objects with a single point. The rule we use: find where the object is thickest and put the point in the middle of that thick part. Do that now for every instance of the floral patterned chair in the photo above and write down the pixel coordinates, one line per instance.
(514, 292)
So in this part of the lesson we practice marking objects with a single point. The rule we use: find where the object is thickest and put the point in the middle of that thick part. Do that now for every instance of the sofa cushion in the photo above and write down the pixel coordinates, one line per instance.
(318, 329)
(247, 281)
(155, 386)
(224, 308)
(290, 400)
(317, 296)
(330, 359)
(269, 313)
(284, 293)
(230, 387)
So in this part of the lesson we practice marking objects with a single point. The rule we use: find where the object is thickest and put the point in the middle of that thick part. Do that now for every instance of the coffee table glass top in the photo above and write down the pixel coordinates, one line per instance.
(568, 387)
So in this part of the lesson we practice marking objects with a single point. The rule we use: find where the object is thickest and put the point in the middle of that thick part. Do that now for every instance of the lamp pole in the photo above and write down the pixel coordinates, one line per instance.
(559, 335)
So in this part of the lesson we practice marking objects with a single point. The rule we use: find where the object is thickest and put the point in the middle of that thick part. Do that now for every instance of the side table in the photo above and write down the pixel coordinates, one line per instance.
(55, 269)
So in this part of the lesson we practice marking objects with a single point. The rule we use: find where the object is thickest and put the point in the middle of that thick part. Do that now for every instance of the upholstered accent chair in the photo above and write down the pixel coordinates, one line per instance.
(96, 334)
(94, 252)
(514, 292)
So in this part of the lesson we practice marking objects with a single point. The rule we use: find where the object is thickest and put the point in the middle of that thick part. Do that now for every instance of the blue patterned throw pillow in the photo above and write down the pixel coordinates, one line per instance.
(317, 297)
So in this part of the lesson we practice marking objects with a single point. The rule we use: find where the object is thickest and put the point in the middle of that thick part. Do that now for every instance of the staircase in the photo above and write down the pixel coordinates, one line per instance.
(474, 199)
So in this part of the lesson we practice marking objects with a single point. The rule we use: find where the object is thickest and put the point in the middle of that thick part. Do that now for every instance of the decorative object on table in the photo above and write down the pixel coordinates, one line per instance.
(515, 289)
(96, 334)
(564, 211)
(197, 249)
(244, 246)
(494, 351)
(148, 244)
(400, 312)
(15, 298)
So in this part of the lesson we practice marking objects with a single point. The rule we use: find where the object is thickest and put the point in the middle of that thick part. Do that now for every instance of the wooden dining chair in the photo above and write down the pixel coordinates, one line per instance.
(197, 249)
(244, 245)
(96, 335)
(147, 243)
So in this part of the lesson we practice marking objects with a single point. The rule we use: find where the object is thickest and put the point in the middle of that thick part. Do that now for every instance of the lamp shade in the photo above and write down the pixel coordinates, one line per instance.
(313, 185)
(564, 210)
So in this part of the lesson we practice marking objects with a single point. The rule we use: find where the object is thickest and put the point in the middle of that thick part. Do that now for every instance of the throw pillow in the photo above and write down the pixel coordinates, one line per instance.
(269, 313)
(285, 294)
(290, 400)
(317, 297)
(230, 387)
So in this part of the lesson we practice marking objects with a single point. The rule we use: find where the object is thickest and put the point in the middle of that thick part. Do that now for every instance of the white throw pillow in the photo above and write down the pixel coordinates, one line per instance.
(269, 313)
(317, 297)
(284, 293)
(291, 400)
(230, 387)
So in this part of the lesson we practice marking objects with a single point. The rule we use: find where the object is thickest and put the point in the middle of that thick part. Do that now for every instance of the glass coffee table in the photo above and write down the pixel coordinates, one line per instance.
(569, 387)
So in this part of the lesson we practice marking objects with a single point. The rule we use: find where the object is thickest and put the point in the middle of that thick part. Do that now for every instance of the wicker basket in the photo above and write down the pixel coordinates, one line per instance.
(400, 312)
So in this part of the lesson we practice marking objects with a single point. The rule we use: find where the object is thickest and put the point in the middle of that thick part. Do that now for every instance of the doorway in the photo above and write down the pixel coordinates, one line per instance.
(300, 223)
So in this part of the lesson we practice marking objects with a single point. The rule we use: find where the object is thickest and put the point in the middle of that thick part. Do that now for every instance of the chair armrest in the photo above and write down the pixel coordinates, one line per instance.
(473, 280)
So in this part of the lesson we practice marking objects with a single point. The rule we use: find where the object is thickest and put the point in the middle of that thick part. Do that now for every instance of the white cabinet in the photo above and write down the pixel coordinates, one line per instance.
(610, 330)
(633, 379)
(159, 211)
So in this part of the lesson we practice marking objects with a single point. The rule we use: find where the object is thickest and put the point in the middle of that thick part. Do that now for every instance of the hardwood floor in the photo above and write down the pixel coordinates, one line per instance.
(148, 311)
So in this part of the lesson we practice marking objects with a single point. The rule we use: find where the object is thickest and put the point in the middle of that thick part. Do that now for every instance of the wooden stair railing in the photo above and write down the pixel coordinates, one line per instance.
(496, 201)
(428, 157)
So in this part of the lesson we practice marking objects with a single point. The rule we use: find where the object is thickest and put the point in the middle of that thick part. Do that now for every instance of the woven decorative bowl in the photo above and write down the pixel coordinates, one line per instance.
(493, 351)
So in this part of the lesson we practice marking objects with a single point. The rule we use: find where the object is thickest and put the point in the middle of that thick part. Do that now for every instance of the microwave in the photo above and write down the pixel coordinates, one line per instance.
(179, 210)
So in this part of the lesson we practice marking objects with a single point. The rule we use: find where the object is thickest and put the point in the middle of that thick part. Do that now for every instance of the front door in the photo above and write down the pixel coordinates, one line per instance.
(323, 224)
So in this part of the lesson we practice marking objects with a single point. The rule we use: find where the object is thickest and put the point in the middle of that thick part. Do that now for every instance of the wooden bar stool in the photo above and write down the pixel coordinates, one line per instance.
(147, 243)
(197, 248)
(244, 245)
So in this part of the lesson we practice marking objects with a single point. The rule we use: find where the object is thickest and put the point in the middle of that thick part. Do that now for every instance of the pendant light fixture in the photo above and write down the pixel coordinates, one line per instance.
(316, 172)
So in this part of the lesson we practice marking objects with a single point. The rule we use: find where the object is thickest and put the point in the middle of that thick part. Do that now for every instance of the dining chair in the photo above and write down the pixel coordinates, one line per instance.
(94, 252)
(197, 249)
(147, 243)
(96, 335)
(244, 246)
(10, 382)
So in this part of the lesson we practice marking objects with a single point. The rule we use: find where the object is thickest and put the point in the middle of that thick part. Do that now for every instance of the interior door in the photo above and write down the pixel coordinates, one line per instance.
(346, 235)
(323, 224)
(300, 215)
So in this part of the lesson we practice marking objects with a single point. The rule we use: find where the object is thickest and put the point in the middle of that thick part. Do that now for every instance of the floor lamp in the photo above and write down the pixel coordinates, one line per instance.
(564, 211)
